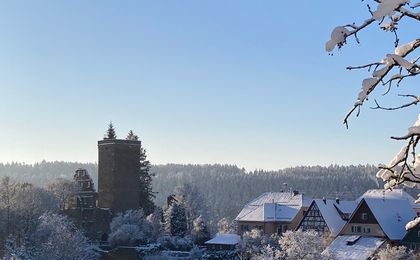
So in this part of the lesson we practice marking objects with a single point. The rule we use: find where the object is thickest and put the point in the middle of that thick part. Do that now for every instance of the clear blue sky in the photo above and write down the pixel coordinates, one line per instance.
(240, 82)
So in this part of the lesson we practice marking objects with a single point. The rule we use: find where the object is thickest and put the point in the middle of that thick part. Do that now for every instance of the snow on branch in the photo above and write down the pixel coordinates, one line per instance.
(404, 168)
(391, 61)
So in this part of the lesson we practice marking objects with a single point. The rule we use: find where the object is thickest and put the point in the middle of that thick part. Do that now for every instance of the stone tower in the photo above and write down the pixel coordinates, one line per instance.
(118, 174)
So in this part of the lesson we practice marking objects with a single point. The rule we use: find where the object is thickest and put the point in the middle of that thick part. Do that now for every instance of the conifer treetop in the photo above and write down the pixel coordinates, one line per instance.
(131, 136)
(110, 134)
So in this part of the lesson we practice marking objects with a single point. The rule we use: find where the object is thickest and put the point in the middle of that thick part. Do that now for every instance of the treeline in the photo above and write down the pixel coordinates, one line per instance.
(43, 173)
(225, 188)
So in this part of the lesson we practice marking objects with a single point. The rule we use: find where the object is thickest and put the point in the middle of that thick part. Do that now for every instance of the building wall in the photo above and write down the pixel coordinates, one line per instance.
(118, 180)
(363, 222)
(313, 220)
(272, 227)
(373, 230)
(412, 239)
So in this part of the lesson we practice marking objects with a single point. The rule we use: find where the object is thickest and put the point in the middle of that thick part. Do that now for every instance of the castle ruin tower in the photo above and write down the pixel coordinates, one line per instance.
(118, 174)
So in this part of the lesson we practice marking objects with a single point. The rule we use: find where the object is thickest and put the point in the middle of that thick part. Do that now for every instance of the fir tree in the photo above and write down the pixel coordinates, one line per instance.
(146, 192)
(131, 136)
(110, 132)
(175, 220)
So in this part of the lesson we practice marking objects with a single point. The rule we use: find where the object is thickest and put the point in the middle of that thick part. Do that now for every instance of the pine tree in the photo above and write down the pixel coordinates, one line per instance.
(110, 132)
(175, 220)
(131, 136)
(146, 192)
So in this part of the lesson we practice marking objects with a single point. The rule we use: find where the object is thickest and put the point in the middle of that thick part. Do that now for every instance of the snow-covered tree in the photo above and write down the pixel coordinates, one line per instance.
(392, 69)
(31, 203)
(254, 243)
(54, 238)
(175, 220)
(296, 245)
(200, 232)
(130, 228)
(176, 243)
(269, 252)
(394, 253)
(63, 189)
(193, 202)
(224, 226)
(131, 136)
(155, 221)
(8, 190)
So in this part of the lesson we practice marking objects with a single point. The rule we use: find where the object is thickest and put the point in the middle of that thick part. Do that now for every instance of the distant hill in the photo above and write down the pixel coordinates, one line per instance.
(226, 188)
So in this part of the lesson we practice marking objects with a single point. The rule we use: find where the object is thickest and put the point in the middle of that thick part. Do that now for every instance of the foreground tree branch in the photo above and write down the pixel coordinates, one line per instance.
(404, 168)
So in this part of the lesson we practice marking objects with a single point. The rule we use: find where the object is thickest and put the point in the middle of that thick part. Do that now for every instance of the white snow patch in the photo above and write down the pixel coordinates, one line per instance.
(412, 224)
(362, 248)
(401, 61)
(387, 8)
(338, 37)
(273, 206)
(225, 239)
(415, 129)
(402, 50)
(367, 84)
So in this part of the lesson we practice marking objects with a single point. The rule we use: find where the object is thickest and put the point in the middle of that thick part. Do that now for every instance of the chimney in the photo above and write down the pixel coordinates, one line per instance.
(337, 200)
(324, 200)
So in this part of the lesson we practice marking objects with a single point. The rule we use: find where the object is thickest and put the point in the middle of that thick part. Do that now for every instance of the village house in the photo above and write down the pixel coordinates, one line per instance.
(380, 217)
(273, 213)
(223, 242)
(327, 216)
(411, 240)
(392, 194)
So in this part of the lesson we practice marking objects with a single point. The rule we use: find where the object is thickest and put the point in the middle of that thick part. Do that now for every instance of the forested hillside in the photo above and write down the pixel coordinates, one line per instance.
(224, 188)
(227, 188)
(42, 173)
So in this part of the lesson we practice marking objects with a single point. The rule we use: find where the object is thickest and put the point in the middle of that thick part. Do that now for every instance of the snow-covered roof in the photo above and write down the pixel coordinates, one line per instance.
(392, 215)
(224, 239)
(330, 212)
(390, 194)
(353, 247)
(273, 206)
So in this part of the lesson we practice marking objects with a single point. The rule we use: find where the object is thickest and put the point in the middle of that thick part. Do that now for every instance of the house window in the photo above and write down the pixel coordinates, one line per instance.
(366, 230)
(418, 233)
(244, 228)
(281, 229)
(356, 229)
(260, 227)
(364, 216)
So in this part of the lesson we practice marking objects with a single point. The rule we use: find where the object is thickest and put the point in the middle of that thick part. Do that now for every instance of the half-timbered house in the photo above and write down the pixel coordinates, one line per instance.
(327, 216)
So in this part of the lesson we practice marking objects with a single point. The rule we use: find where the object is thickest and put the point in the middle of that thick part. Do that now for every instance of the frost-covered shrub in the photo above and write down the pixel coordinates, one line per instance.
(130, 229)
(253, 242)
(54, 238)
(196, 253)
(224, 226)
(156, 224)
(394, 253)
(301, 245)
(176, 243)
(200, 233)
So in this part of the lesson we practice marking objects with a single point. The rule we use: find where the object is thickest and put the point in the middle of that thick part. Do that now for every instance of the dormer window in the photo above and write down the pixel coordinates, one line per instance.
(364, 216)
